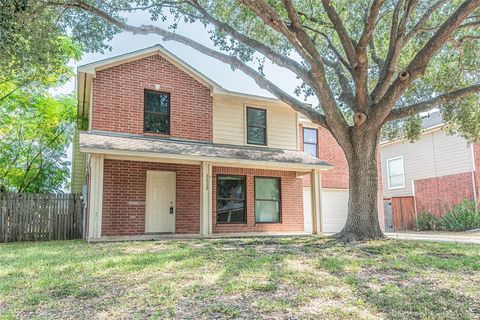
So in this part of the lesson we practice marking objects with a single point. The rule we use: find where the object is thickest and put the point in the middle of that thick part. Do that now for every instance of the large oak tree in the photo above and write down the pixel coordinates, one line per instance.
(371, 64)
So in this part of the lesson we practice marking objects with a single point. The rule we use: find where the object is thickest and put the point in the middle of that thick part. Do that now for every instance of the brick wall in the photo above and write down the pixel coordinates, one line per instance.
(118, 95)
(476, 156)
(329, 151)
(291, 206)
(125, 181)
(437, 194)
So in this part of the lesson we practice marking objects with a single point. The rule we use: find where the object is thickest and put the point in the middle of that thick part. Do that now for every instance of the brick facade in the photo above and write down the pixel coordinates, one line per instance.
(291, 202)
(330, 152)
(438, 194)
(124, 194)
(118, 95)
(476, 157)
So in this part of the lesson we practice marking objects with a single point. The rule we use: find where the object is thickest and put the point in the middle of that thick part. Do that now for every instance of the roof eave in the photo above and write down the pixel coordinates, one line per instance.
(157, 155)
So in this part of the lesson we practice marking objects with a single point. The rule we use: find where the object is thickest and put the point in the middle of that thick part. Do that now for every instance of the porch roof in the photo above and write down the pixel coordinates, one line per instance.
(138, 145)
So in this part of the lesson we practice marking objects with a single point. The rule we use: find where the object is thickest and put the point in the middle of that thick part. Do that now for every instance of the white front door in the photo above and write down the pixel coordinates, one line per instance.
(160, 202)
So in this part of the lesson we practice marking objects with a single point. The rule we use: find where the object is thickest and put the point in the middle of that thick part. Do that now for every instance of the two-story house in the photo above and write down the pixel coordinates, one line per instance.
(429, 175)
(166, 151)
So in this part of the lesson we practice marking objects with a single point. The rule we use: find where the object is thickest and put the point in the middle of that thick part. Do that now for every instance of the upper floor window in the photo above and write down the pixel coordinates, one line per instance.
(310, 142)
(156, 112)
(256, 126)
(395, 173)
(231, 199)
(267, 199)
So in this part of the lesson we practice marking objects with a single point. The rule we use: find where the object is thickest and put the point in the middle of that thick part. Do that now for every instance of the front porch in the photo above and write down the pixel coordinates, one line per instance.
(153, 195)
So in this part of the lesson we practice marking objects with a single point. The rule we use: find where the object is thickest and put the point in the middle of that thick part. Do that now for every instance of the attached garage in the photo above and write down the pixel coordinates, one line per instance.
(334, 209)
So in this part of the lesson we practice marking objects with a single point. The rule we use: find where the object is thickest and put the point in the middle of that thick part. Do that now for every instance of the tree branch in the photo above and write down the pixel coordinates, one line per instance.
(369, 25)
(303, 108)
(397, 42)
(305, 47)
(419, 63)
(345, 39)
(424, 106)
(424, 19)
(268, 52)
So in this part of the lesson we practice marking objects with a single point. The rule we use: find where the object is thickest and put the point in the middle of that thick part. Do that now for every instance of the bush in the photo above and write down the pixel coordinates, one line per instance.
(462, 217)
(425, 221)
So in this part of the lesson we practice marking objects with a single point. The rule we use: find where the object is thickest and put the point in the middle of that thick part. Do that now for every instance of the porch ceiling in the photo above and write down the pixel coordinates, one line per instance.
(137, 145)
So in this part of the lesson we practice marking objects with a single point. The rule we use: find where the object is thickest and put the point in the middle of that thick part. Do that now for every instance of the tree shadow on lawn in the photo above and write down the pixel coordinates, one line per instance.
(250, 278)
(412, 280)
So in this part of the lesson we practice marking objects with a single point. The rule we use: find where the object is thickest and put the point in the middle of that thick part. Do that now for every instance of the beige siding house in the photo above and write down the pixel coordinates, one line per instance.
(428, 175)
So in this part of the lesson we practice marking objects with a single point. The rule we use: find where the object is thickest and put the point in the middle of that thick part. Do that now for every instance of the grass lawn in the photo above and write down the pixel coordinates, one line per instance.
(287, 278)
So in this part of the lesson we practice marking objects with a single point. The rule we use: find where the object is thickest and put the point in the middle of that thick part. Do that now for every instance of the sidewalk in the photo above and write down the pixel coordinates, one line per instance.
(459, 237)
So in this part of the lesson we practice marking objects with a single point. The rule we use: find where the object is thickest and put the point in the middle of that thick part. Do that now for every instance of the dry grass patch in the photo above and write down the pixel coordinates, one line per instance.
(281, 278)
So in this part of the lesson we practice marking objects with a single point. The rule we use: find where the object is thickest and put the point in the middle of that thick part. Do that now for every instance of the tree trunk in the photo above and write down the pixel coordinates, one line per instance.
(362, 220)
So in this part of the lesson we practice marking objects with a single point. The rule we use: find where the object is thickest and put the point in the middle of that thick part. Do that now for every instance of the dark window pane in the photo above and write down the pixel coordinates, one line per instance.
(267, 211)
(158, 123)
(157, 102)
(230, 211)
(267, 188)
(256, 117)
(309, 135)
(310, 148)
(231, 187)
(256, 135)
(231, 199)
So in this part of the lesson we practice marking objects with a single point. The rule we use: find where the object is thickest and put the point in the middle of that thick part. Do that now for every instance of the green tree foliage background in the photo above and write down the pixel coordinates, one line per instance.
(36, 127)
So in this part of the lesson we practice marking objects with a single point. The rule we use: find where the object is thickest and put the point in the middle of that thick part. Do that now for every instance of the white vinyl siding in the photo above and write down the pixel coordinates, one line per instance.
(435, 154)
(229, 122)
(396, 173)
(78, 165)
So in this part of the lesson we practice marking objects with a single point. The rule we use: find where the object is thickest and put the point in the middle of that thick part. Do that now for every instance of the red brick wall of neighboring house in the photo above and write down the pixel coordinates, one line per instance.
(291, 202)
(437, 194)
(476, 155)
(125, 181)
(118, 95)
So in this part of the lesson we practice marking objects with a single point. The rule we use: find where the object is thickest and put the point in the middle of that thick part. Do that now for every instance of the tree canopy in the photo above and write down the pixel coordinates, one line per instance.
(35, 126)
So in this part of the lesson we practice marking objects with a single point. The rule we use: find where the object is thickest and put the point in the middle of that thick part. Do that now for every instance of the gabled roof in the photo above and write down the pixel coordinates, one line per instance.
(87, 71)
(430, 122)
(92, 68)
(168, 148)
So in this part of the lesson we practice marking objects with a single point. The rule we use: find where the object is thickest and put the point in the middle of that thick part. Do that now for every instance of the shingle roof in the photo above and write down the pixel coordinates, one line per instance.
(119, 143)
(431, 120)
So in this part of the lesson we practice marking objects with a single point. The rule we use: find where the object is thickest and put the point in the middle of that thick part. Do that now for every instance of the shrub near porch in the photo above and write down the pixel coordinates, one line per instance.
(251, 278)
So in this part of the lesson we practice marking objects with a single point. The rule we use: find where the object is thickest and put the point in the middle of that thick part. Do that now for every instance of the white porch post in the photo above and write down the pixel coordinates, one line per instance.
(316, 189)
(206, 199)
(96, 196)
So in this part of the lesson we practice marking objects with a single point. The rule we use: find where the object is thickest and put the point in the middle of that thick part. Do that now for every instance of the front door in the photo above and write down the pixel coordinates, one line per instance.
(160, 202)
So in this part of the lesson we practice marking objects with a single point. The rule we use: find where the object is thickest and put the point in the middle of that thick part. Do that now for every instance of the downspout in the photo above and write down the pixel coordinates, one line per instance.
(475, 196)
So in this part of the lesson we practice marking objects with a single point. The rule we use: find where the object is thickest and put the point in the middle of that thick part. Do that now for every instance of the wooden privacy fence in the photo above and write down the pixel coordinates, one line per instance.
(35, 216)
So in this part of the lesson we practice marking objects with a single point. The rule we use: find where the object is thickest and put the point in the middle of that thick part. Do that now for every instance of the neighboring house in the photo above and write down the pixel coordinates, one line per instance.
(166, 151)
(430, 175)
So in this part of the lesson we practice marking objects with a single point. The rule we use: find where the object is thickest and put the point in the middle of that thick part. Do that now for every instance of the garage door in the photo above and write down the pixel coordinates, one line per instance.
(334, 209)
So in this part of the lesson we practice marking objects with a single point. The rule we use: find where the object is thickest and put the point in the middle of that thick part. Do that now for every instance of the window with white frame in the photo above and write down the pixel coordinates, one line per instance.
(395, 173)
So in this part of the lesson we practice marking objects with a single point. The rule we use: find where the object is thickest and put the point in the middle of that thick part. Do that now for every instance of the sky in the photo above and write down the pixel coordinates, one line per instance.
(212, 68)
